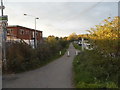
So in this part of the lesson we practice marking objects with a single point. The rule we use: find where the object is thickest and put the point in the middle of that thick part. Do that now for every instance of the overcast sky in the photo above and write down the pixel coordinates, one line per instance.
(60, 18)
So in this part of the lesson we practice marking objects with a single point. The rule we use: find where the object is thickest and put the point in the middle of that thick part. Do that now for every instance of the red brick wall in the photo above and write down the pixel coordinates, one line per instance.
(23, 33)
(13, 33)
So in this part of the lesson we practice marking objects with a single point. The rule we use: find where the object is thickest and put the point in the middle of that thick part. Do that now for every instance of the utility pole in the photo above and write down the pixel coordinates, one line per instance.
(2, 7)
(3, 21)
(82, 44)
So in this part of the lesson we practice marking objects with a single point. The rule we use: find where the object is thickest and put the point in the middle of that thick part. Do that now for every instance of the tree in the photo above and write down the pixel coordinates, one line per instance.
(106, 36)
(72, 37)
(52, 39)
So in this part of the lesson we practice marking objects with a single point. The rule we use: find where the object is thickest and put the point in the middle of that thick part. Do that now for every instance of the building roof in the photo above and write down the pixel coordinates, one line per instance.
(22, 27)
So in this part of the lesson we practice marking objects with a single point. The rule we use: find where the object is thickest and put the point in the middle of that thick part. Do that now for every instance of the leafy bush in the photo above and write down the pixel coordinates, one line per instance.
(17, 55)
(22, 57)
(105, 37)
(77, 46)
(91, 70)
(103, 62)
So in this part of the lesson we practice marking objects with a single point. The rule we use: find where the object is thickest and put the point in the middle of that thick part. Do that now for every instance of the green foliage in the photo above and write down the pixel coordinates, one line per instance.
(96, 85)
(100, 67)
(77, 46)
(17, 55)
(106, 37)
(92, 70)
(22, 57)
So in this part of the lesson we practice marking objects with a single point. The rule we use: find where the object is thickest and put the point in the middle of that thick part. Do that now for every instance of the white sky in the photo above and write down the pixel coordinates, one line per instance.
(60, 18)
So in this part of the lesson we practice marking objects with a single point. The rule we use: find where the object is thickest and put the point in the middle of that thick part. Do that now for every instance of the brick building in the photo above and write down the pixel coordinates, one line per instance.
(23, 33)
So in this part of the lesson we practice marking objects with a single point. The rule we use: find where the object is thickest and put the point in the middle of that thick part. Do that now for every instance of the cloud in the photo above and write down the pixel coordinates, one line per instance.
(59, 18)
(60, 0)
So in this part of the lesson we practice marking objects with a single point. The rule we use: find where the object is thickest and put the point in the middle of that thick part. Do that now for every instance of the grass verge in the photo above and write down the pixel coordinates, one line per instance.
(91, 70)
(77, 46)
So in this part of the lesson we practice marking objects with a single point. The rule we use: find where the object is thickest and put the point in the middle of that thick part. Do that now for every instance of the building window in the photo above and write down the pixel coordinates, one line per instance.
(9, 31)
(21, 31)
(26, 32)
(40, 34)
(33, 34)
(36, 33)
(30, 32)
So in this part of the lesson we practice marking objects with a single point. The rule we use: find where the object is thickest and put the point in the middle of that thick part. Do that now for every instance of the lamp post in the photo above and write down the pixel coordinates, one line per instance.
(35, 36)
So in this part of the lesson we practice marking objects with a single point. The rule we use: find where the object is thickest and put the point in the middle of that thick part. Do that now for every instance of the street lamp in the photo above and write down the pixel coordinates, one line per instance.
(35, 37)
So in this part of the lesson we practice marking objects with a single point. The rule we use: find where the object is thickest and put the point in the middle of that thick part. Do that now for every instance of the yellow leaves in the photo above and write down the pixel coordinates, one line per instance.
(51, 39)
(106, 30)
(109, 17)
(107, 33)
(73, 36)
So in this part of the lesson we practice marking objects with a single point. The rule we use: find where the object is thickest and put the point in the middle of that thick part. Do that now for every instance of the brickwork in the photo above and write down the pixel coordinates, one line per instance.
(20, 32)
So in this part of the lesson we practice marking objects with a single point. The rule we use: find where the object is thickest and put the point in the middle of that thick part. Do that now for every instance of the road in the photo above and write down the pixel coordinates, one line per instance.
(57, 74)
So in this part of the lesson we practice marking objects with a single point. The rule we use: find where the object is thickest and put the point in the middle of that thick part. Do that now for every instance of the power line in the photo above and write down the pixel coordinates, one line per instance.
(84, 11)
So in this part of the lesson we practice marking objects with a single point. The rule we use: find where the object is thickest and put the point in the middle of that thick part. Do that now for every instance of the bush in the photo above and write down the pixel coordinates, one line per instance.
(91, 70)
(17, 55)
(77, 46)
(22, 57)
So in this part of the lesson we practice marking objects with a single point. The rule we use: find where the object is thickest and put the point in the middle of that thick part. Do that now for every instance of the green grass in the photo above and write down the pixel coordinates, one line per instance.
(77, 46)
(90, 70)
(96, 85)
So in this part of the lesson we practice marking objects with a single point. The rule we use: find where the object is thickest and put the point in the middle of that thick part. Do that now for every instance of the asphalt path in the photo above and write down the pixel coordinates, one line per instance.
(57, 74)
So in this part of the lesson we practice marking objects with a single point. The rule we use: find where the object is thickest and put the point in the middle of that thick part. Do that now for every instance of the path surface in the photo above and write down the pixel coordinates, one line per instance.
(57, 74)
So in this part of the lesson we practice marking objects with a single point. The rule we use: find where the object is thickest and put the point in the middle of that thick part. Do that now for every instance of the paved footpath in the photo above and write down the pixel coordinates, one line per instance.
(57, 74)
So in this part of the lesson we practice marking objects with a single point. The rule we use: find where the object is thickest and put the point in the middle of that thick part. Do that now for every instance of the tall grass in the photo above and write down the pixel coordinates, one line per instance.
(91, 70)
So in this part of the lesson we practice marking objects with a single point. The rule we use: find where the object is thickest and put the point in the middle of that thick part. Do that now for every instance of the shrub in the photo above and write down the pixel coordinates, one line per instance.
(92, 70)
(22, 57)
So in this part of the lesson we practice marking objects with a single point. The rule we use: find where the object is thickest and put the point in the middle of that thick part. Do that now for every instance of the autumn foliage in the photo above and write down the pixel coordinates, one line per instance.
(100, 67)
(106, 37)
(22, 57)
